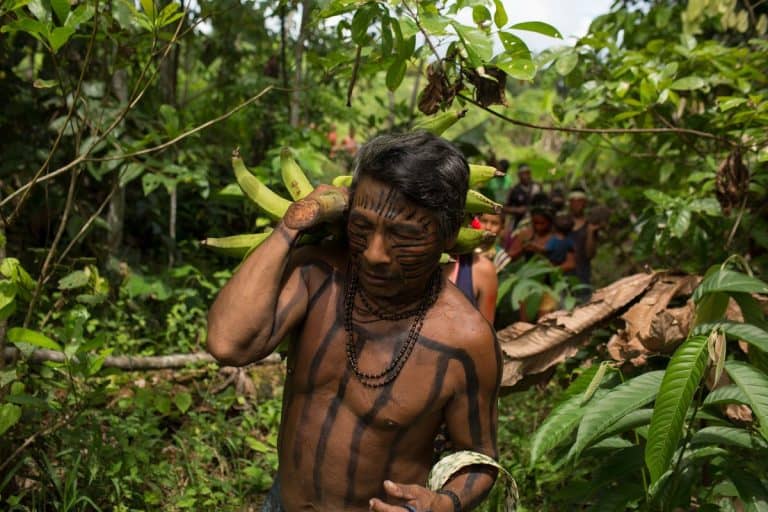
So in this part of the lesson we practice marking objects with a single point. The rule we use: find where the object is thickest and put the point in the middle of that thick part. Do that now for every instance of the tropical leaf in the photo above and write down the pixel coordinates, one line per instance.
(563, 418)
(558, 425)
(729, 436)
(631, 421)
(617, 403)
(751, 490)
(23, 335)
(726, 395)
(726, 280)
(681, 379)
(746, 332)
(754, 384)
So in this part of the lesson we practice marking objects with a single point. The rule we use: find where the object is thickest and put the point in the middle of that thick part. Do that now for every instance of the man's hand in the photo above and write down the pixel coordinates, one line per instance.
(324, 204)
(414, 498)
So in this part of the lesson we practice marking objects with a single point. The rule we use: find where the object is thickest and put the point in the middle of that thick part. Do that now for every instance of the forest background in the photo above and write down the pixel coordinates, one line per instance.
(118, 122)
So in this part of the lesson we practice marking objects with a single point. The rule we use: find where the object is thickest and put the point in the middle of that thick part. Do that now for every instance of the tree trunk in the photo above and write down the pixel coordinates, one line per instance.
(295, 118)
(116, 213)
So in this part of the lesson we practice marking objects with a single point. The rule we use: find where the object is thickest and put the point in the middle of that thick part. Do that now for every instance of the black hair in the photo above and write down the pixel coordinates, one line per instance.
(541, 205)
(425, 168)
(504, 164)
(563, 222)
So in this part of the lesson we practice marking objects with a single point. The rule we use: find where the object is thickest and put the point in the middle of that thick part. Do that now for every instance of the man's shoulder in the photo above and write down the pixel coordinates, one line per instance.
(463, 327)
(325, 258)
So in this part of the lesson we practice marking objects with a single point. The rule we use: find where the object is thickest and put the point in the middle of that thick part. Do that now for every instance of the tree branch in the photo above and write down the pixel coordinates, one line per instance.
(131, 363)
(503, 117)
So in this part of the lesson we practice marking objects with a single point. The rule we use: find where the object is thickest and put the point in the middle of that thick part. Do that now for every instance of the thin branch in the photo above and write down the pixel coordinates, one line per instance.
(40, 433)
(185, 134)
(738, 221)
(60, 135)
(87, 224)
(83, 158)
(594, 130)
(48, 257)
(112, 126)
(353, 78)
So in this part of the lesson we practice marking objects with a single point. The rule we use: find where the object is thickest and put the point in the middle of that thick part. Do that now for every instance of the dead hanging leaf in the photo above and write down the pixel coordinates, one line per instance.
(732, 181)
(438, 92)
(490, 84)
(716, 348)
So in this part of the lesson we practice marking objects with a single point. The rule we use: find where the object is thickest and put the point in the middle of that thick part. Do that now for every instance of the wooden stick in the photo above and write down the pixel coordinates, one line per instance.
(132, 362)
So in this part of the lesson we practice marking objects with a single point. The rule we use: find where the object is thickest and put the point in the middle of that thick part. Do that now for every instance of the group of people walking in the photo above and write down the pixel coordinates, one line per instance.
(551, 225)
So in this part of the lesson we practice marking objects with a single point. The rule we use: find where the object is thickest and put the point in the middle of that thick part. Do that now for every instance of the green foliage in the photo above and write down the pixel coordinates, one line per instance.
(688, 429)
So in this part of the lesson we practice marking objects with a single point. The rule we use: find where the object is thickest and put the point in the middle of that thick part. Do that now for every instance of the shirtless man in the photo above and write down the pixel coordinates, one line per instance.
(384, 352)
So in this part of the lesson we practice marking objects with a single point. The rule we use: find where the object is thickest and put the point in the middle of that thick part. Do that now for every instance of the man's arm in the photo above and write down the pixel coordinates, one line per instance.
(267, 296)
(259, 304)
(472, 415)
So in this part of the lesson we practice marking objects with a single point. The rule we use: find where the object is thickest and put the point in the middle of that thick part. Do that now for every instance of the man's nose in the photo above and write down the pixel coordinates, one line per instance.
(377, 251)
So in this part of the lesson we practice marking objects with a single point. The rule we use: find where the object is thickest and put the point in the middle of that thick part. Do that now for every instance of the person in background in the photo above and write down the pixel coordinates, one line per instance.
(498, 188)
(520, 196)
(584, 238)
(475, 276)
(496, 252)
(349, 144)
(559, 248)
(333, 140)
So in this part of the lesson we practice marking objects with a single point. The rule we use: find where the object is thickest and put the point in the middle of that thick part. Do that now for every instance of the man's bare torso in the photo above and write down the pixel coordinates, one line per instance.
(340, 439)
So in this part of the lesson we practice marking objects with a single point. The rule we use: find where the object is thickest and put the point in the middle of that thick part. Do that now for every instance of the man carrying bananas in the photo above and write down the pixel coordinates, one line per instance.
(384, 350)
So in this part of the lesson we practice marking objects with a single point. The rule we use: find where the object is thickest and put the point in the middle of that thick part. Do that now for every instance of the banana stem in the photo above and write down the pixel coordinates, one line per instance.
(325, 207)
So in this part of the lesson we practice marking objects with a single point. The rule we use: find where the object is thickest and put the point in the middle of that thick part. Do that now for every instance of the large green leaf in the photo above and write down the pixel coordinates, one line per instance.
(726, 395)
(500, 14)
(752, 491)
(688, 83)
(729, 436)
(681, 379)
(538, 27)
(9, 415)
(630, 421)
(754, 384)
(561, 421)
(726, 280)
(23, 335)
(617, 403)
(746, 332)
(477, 43)
(520, 67)
(395, 74)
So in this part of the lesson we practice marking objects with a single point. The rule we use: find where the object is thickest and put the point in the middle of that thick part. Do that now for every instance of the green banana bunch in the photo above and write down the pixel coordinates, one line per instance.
(438, 123)
(295, 180)
(478, 203)
(328, 206)
(235, 245)
(273, 205)
(344, 180)
(479, 175)
(469, 238)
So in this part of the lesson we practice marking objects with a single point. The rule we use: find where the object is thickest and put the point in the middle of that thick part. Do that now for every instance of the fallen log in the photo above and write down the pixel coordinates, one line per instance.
(131, 362)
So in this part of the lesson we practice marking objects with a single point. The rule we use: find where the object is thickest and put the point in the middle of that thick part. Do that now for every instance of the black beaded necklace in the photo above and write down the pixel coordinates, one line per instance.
(384, 377)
